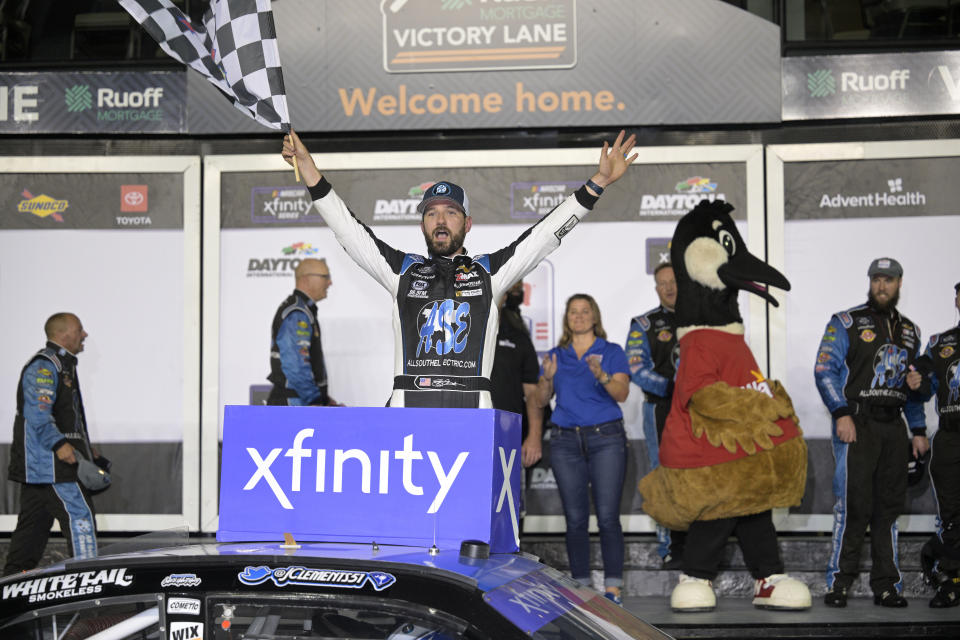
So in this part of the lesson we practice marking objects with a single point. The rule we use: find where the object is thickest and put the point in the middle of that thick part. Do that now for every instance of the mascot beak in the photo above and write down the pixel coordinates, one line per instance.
(747, 272)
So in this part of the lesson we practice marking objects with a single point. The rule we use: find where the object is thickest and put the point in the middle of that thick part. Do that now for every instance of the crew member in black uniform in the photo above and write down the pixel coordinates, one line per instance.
(940, 365)
(445, 317)
(49, 434)
(516, 369)
(297, 370)
(652, 351)
(865, 371)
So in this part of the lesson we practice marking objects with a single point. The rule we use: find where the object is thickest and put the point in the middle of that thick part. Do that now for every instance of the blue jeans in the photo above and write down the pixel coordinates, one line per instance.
(584, 459)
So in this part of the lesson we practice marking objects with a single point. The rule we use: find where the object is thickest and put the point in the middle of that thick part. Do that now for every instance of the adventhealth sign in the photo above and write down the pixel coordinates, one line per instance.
(388, 475)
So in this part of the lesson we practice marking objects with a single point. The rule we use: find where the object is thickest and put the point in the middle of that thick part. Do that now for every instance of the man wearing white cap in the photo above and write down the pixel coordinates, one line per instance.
(864, 372)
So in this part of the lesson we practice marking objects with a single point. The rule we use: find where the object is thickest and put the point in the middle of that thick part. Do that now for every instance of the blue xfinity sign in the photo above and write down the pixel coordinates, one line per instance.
(389, 475)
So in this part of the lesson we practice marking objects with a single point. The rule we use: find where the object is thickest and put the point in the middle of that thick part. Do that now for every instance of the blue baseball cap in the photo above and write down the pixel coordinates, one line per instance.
(445, 192)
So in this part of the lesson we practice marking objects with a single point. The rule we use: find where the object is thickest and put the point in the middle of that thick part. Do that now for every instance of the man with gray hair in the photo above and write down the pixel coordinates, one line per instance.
(49, 435)
(865, 372)
(297, 370)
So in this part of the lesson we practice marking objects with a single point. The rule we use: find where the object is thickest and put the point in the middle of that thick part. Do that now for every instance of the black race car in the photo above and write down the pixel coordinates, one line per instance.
(229, 591)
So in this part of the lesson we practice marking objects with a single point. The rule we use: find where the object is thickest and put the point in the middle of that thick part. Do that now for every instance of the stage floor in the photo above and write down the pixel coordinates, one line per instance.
(737, 618)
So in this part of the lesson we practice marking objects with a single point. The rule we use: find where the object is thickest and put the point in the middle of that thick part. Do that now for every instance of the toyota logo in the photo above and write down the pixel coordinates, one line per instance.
(133, 198)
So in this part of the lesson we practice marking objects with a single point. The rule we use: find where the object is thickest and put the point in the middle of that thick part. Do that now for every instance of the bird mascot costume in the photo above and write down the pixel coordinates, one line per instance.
(732, 448)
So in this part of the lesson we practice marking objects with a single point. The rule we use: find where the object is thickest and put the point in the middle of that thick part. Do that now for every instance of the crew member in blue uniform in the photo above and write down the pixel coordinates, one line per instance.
(865, 371)
(49, 434)
(652, 353)
(940, 364)
(297, 370)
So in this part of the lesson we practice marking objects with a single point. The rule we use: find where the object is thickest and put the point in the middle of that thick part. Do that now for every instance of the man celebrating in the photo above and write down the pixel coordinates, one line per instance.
(445, 313)
(652, 353)
(297, 370)
(49, 434)
(864, 372)
(941, 555)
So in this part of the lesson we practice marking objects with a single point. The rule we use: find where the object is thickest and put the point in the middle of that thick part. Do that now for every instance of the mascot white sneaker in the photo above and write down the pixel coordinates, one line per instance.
(693, 594)
(780, 591)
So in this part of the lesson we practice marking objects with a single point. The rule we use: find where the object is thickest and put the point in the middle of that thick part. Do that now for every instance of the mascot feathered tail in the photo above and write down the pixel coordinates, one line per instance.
(732, 444)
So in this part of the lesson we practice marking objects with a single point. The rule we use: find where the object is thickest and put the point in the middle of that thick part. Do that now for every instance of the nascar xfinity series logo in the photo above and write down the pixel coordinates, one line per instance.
(532, 200)
(301, 576)
(407, 457)
(687, 193)
(443, 327)
(270, 205)
(889, 367)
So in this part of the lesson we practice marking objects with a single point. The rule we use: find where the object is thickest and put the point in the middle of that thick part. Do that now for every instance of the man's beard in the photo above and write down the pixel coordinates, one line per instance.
(453, 244)
(889, 305)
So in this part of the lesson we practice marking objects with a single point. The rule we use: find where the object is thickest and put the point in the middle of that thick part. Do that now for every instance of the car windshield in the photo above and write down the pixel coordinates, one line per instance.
(547, 605)
(126, 618)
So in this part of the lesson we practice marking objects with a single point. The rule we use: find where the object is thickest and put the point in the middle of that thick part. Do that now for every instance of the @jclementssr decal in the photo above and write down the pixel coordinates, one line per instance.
(301, 576)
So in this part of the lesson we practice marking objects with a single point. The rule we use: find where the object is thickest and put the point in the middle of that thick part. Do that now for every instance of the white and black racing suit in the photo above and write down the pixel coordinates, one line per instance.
(445, 316)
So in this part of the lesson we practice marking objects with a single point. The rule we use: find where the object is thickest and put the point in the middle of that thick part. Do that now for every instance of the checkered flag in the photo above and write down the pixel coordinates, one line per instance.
(236, 49)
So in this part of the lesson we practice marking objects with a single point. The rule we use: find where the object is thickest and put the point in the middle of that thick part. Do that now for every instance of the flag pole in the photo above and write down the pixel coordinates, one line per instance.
(296, 169)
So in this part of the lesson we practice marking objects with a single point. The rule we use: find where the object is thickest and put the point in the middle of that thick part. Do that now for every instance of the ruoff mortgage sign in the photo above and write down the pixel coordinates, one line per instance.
(472, 35)
(871, 85)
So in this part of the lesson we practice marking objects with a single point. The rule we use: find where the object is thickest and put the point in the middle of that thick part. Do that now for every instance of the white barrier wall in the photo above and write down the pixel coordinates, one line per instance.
(133, 276)
(116, 241)
(832, 208)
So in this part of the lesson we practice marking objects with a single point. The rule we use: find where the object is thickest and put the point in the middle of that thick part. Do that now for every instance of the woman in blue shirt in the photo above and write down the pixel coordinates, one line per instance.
(588, 449)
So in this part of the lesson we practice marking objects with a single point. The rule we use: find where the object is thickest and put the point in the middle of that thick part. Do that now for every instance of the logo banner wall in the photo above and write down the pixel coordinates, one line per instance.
(93, 102)
(871, 85)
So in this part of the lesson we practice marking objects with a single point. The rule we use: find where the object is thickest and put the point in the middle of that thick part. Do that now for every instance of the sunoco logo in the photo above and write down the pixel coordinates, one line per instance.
(270, 205)
(283, 266)
(398, 209)
(532, 200)
(894, 196)
(687, 193)
(42, 206)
